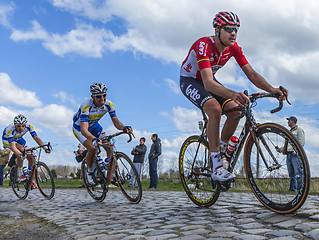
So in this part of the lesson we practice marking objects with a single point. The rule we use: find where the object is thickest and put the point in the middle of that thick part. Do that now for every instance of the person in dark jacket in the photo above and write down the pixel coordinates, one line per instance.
(138, 160)
(155, 152)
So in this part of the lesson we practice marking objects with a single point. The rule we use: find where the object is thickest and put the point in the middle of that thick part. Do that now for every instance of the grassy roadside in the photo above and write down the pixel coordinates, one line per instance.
(166, 184)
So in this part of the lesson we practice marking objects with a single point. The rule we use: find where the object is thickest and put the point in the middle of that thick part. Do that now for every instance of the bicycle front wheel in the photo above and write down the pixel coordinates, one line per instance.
(20, 189)
(267, 171)
(98, 190)
(195, 172)
(125, 169)
(44, 179)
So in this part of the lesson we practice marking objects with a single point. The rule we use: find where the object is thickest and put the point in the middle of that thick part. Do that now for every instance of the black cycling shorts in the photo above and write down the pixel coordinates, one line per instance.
(195, 91)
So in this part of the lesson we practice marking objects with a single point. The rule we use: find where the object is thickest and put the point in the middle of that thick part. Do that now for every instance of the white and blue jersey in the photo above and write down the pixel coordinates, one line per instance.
(10, 134)
(89, 112)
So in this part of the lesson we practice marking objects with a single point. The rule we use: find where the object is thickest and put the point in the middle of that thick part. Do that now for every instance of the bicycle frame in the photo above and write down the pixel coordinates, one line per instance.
(35, 159)
(249, 127)
(113, 160)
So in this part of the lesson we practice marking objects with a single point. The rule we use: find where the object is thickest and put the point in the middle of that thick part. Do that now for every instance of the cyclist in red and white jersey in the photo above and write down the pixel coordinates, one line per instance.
(199, 85)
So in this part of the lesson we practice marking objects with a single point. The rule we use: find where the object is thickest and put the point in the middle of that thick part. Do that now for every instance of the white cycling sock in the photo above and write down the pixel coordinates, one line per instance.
(216, 160)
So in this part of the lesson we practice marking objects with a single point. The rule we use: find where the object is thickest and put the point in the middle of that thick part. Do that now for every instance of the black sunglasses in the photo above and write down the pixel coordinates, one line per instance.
(100, 96)
(231, 29)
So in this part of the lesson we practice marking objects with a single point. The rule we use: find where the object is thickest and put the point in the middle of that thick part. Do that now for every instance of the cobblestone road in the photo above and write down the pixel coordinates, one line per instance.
(166, 215)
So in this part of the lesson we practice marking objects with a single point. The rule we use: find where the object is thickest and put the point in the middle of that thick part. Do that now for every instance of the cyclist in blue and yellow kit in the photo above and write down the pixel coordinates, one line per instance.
(13, 138)
(86, 127)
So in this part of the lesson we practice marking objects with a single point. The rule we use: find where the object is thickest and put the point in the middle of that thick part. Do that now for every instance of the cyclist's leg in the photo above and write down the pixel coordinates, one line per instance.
(20, 145)
(91, 150)
(231, 124)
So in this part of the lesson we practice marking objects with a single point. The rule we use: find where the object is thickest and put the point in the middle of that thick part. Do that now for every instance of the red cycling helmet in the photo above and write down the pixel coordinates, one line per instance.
(224, 18)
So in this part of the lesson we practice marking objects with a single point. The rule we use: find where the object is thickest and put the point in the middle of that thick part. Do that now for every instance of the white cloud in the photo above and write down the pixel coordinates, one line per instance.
(55, 117)
(283, 53)
(172, 85)
(12, 94)
(6, 116)
(92, 9)
(5, 12)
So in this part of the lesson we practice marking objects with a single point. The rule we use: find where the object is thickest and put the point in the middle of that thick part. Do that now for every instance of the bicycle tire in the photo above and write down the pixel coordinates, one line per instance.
(198, 187)
(123, 176)
(97, 191)
(20, 189)
(45, 180)
(271, 187)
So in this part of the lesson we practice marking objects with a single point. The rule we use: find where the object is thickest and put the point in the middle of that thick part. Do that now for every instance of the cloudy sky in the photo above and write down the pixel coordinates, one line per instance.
(53, 50)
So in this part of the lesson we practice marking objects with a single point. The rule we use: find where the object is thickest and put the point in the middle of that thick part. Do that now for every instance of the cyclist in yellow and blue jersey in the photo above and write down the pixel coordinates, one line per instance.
(86, 127)
(13, 138)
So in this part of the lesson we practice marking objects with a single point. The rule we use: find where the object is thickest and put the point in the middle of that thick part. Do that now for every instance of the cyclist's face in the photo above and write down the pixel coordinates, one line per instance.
(99, 99)
(20, 127)
(228, 34)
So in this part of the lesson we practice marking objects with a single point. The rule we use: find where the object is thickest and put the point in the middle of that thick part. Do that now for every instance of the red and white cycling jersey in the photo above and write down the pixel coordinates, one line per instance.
(204, 54)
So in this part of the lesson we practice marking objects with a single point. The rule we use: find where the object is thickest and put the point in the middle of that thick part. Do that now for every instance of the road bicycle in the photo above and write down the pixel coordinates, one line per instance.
(265, 168)
(40, 172)
(118, 173)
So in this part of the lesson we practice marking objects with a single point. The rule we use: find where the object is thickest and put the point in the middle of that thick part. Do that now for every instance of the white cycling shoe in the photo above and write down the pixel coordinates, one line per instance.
(222, 175)
(89, 178)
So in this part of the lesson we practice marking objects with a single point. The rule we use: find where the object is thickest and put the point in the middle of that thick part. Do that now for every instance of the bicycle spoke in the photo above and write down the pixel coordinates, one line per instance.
(125, 172)
(268, 174)
(99, 189)
(195, 172)
(45, 181)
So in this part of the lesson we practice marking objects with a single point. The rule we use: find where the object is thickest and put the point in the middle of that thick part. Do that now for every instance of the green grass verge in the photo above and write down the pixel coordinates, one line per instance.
(166, 184)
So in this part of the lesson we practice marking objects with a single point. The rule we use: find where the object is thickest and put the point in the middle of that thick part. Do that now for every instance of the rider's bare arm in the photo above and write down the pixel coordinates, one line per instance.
(40, 142)
(117, 123)
(213, 87)
(260, 82)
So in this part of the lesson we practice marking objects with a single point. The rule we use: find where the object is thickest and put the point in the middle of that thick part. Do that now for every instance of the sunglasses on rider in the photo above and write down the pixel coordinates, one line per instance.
(20, 126)
(231, 29)
(100, 96)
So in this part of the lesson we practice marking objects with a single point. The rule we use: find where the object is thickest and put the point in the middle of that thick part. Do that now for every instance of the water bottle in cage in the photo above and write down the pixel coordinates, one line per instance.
(106, 162)
(231, 147)
(25, 172)
(101, 164)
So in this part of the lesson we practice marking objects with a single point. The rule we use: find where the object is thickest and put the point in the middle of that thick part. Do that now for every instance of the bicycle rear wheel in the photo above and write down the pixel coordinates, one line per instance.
(98, 190)
(123, 176)
(270, 183)
(44, 179)
(20, 189)
(195, 172)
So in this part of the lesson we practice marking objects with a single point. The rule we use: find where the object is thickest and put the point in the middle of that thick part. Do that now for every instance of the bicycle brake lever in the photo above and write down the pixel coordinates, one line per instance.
(284, 91)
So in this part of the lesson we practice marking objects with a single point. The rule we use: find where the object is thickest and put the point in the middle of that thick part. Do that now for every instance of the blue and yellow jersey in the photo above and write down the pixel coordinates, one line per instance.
(89, 112)
(10, 133)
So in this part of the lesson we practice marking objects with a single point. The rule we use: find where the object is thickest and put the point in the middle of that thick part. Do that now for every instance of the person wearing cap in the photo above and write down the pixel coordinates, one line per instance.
(292, 159)
(138, 160)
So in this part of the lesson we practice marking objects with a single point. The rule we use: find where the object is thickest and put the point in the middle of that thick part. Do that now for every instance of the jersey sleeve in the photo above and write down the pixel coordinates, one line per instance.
(84, 113)
(201, 48)
(32, 131)
(239, 55)
(111, 109)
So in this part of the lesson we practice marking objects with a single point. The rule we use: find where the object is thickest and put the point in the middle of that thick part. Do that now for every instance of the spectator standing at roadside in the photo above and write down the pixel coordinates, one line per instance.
(4, 159)
(155, 152)
(138, 160)
(292, 158)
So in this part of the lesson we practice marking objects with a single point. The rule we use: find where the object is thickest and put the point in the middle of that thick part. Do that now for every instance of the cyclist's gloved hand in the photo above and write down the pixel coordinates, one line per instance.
(127, 129)
(96, 141)
(47, 150)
